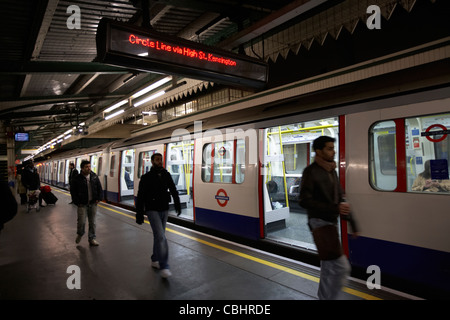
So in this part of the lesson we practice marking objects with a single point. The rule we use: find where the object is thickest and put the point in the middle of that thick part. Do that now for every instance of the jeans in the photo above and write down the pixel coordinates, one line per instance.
(158, 220)
(90, 211)
(333, 273)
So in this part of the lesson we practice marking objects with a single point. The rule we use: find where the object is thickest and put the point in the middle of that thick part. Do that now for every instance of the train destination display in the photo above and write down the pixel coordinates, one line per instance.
(134, 47)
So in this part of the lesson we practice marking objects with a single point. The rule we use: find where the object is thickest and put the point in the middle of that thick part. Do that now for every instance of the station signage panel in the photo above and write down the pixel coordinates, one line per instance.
(130, 46)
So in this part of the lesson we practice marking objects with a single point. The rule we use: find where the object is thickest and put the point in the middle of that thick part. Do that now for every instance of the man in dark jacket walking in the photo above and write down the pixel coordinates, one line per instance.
(86, 193)
(153, 200)
(322, 196)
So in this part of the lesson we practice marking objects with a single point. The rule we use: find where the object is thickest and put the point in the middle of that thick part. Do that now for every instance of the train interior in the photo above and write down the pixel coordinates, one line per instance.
(288, 151)
(179, 162)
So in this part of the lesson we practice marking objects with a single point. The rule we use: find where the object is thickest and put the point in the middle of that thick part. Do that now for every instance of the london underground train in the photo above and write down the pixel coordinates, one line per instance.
(238, 171)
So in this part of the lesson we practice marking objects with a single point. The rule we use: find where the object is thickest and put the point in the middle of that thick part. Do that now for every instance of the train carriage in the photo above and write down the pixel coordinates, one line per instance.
(244, 179)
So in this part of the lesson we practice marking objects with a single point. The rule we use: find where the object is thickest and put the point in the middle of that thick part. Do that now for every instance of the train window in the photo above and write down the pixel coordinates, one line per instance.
(383, 175)
(61, 167)
(100, 163)
(94, 164)
(224, 162)
(427, 152)
(145, 162)
(112, 165)
(295, 157)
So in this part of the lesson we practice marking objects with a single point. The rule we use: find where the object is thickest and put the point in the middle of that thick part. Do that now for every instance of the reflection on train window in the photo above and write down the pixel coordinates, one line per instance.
(427, 152)
(224, 162)
(145, 162)
(111, 167)
(383, 173)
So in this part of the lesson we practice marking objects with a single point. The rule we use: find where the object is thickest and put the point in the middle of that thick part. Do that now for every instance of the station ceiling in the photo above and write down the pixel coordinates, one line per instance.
(51, 80)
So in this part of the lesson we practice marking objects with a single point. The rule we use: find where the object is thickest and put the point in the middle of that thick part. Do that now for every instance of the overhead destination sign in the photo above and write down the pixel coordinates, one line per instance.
(134, 47)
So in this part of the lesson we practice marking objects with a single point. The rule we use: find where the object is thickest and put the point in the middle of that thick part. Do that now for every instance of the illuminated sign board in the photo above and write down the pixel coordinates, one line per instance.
(22, 136)
(134, 47)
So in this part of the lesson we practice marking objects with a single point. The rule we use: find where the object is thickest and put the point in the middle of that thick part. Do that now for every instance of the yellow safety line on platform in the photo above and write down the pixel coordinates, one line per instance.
(261, 261)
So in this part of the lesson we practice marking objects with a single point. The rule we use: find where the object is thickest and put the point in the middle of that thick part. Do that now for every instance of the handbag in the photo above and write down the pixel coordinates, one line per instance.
(327, 242)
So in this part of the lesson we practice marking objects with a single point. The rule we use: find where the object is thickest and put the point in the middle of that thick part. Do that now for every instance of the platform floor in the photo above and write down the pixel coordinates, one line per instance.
(37, 248)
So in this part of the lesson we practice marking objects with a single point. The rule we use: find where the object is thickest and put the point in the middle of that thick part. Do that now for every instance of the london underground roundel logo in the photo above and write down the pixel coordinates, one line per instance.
(222, 197)
(428, 133)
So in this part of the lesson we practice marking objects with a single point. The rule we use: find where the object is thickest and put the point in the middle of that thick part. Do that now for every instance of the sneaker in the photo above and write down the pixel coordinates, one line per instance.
(155, 264)
(165, 273)
(78, 239)
(93, 243)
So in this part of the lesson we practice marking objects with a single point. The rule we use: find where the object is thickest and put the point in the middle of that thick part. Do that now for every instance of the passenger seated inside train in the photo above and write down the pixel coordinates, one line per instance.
(128, 181)
(277, 199)
(425, 183)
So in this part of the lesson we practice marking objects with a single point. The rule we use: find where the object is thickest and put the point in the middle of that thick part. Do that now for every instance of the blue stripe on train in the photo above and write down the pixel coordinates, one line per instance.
(415, 264)
(247, 227)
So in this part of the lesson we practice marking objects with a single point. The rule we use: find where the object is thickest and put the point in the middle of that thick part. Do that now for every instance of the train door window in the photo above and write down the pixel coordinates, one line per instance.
(67, 172)
(240, 161)
(206, 162)
(223, 166)
(145, 162)
(55, 172)
(61, 172)
(78, 164)
(127, 177)
(427, 151)
(224, 162)
(287, 152)
(111, 166)
(100, 166)
(383, 173)
(94, 164)
(179, 163)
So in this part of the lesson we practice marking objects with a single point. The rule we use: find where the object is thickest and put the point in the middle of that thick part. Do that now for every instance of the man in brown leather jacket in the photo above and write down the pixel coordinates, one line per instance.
(321, 196)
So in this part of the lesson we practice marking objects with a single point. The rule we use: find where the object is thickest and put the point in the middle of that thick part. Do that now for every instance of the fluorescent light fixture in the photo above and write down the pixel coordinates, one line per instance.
(60, 140)
(151, 87)
(153, 96)
(147, 113)
(114, 114)
(68, 131)
(67, 137)
(115, 106)
(143, 54)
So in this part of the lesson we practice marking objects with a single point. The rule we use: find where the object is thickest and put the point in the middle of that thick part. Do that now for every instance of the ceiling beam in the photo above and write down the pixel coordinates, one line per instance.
(26, 102)
(59, 67)
(43, 113)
